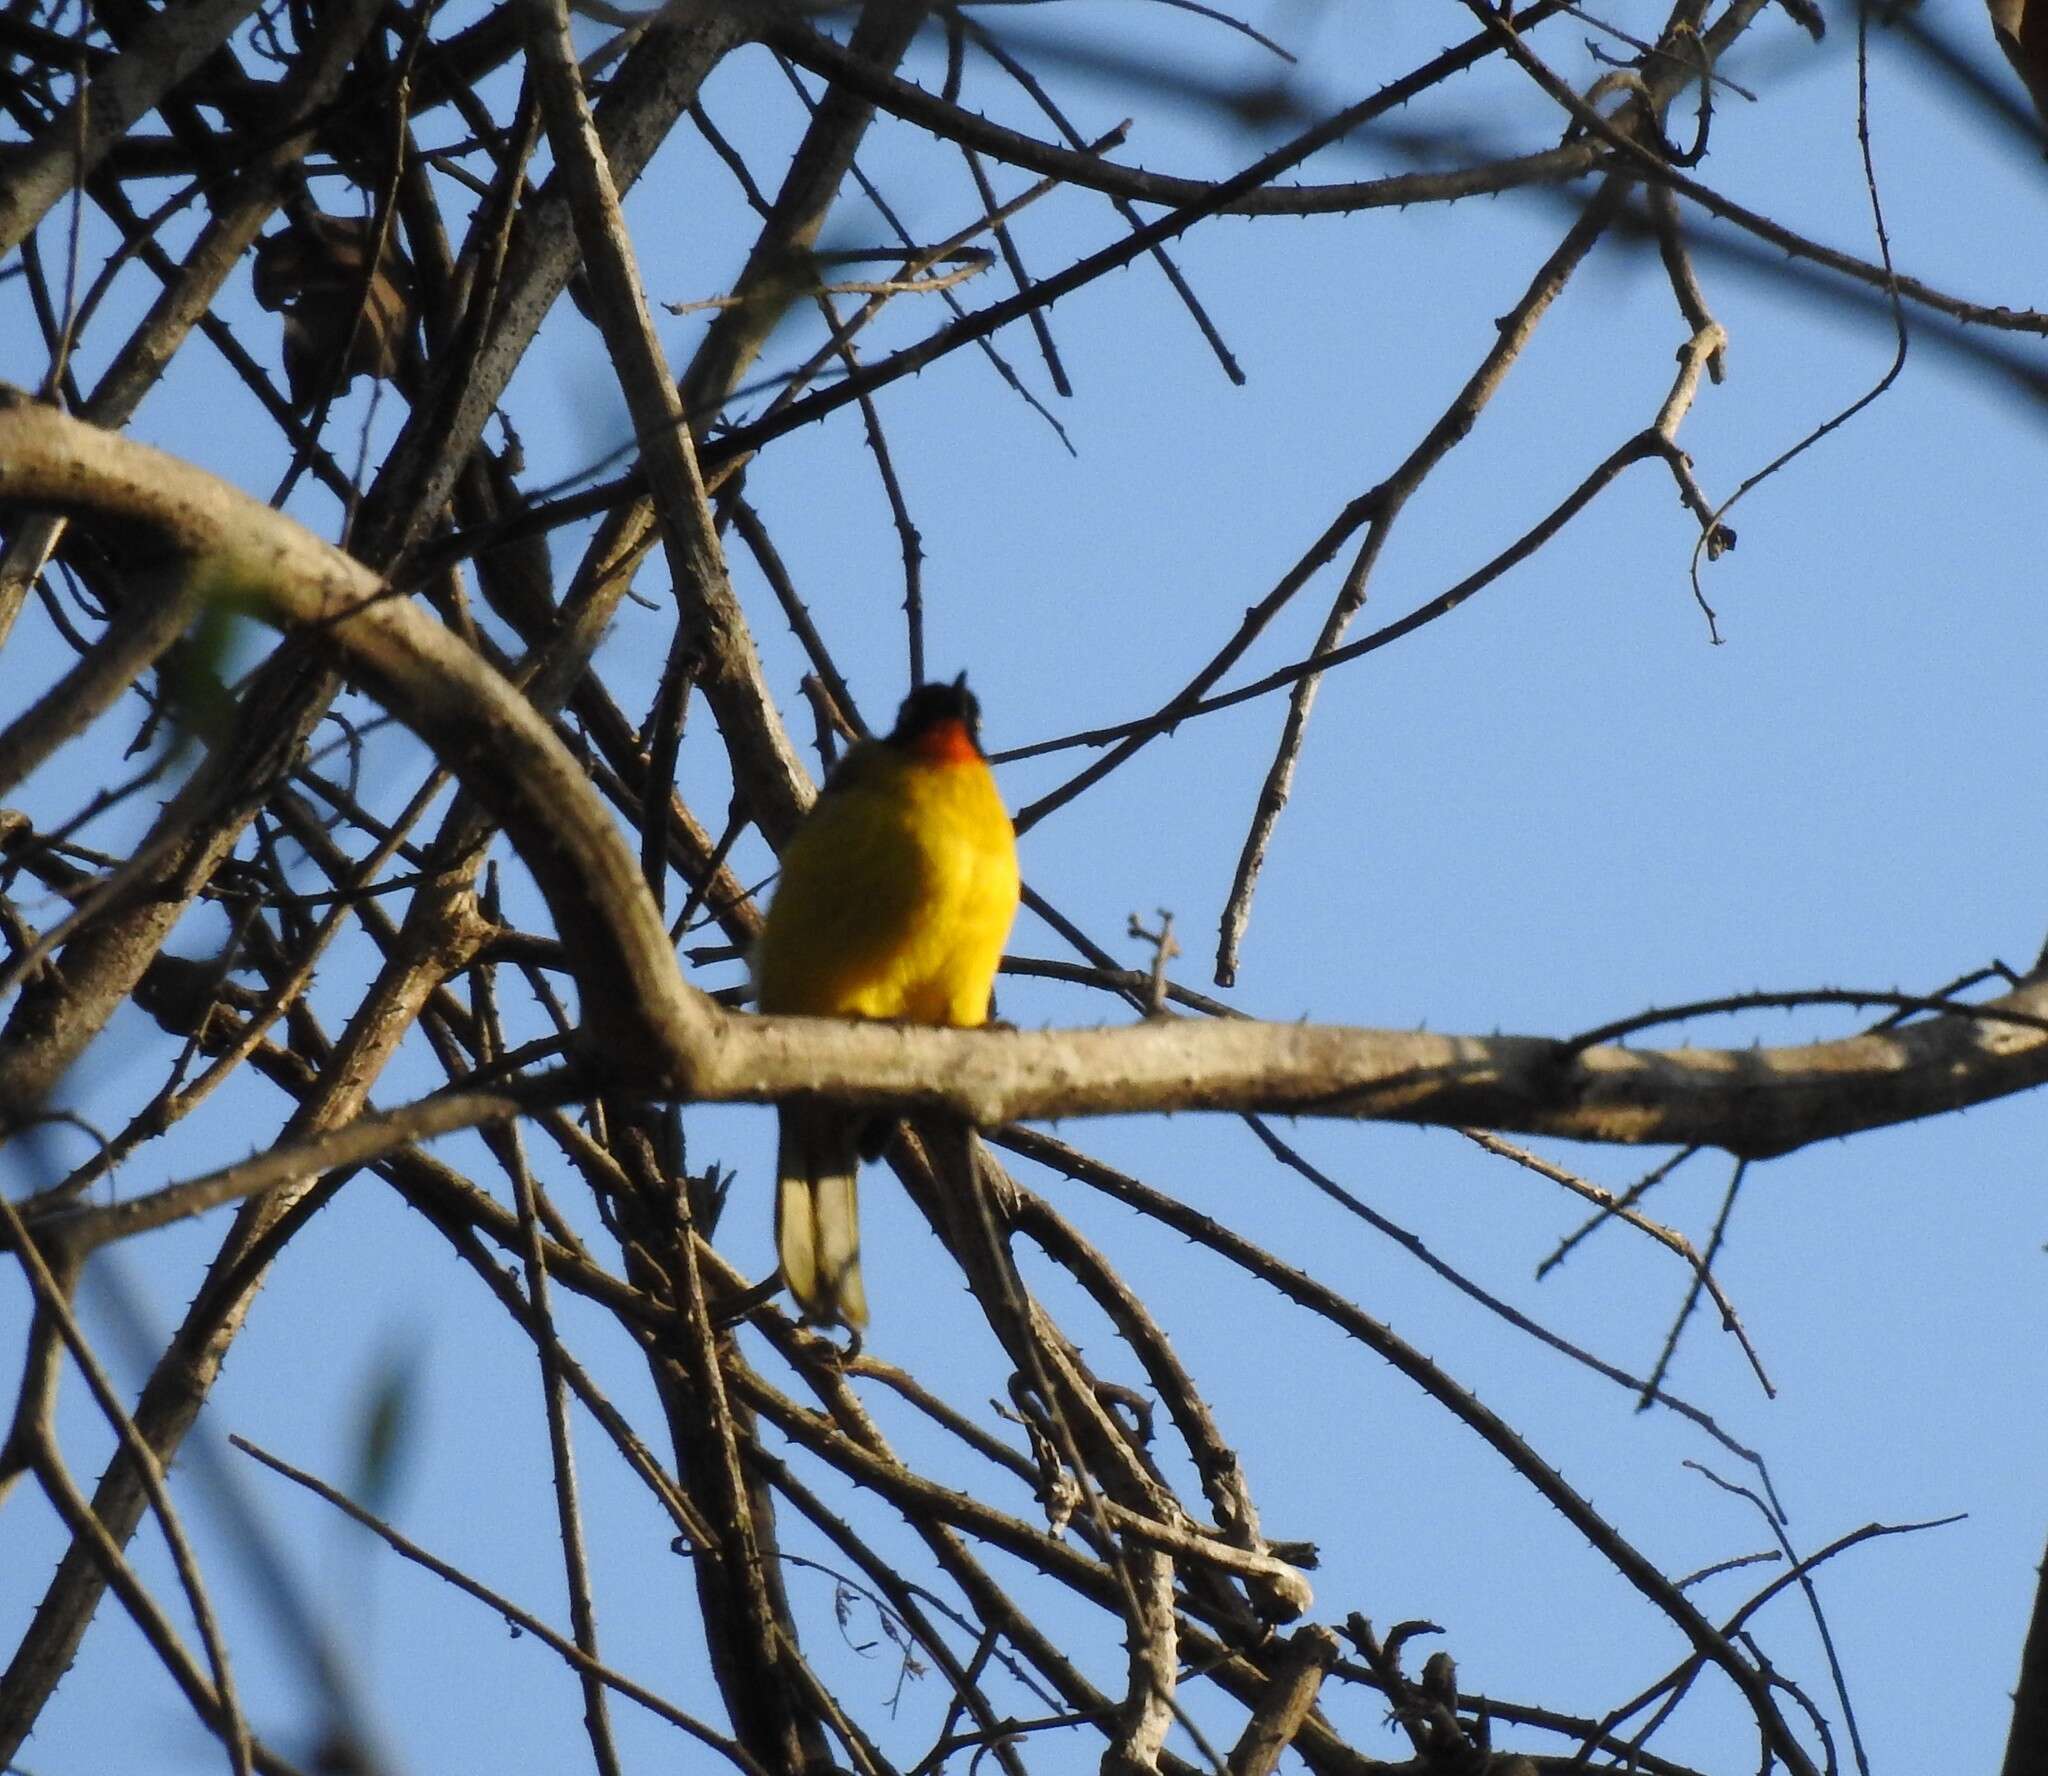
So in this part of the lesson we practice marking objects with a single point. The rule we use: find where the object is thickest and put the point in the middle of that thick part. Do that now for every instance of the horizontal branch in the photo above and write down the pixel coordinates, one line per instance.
(1755, 1102)
(647, 1029)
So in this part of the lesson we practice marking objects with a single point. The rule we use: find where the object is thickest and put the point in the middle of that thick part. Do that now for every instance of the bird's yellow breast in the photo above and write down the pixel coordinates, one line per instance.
(896, 896)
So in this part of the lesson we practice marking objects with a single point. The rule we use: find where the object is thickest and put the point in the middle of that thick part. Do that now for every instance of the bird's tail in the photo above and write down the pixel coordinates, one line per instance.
(817, 1212)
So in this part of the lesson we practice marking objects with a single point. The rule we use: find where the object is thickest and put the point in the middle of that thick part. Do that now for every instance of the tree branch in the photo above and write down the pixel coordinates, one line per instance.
(642, 1021)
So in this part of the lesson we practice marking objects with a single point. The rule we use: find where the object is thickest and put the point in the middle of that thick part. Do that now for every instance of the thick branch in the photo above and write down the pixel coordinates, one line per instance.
(1751, 1101)
(647, 1025)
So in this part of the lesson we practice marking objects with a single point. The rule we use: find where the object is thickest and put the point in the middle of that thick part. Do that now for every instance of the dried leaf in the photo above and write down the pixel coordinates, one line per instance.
(341, 321)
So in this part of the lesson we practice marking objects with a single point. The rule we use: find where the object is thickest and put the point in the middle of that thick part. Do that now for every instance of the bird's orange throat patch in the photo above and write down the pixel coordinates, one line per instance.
(946, 743)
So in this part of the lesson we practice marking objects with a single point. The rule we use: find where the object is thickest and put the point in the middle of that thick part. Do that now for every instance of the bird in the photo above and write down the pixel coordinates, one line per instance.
(896, 895)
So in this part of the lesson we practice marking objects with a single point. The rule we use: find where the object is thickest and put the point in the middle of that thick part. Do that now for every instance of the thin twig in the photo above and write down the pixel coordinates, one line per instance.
(523, 1620)
(554, 1392)
(1665, 1236)
(1692, 1294)
(1413, 1245)
(225, 1713)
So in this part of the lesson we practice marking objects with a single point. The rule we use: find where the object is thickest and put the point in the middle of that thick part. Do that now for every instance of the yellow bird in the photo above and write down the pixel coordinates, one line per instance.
(896, 895)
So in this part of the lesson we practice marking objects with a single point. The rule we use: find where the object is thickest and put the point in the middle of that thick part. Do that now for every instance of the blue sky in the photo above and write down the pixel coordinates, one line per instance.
(1559, 805)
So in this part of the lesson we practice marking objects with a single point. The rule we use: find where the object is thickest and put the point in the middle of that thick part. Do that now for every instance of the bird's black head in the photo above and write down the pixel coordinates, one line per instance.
(939, 718)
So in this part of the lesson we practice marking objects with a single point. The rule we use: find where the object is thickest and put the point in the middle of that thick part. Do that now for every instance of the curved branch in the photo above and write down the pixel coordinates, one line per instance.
(651, 1030)
(904, 99)
(478, 725)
